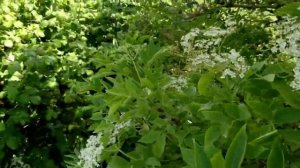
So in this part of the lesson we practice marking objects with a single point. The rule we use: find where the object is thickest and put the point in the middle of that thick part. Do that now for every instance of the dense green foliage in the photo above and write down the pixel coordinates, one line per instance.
(133, 84)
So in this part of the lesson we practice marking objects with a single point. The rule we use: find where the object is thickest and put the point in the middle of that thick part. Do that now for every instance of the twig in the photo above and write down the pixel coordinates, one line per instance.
(251, 6)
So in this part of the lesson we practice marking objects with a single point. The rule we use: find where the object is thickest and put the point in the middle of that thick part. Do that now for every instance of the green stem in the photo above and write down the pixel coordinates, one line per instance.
(130, 157)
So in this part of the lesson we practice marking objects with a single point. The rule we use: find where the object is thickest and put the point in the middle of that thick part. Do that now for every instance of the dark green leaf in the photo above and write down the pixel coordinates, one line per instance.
(35, 100)
(291, 135)
(2, 126)
(287, 115)
(12, 142)
(12, 92)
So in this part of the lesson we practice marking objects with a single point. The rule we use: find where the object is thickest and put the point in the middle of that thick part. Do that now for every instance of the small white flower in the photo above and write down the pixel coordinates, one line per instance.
(230, 22)
(17, 161)
(296, 82)
(90, 155)
(215, 31)
(229, 73)
(177, 83)
(233, 55)
(117, 129)
(282, 44)
(274, 49)
(11, 57)
(148, 91)
(187, 40)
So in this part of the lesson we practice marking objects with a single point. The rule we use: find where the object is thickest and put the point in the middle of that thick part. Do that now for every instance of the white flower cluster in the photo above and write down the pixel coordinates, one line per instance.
(206, 51)
(296, 82)
(90, 155)
(187, 40)
(117, 129)
(177, 83)
(238, 63)
(17, 162)
(287, 37)
(286, 40)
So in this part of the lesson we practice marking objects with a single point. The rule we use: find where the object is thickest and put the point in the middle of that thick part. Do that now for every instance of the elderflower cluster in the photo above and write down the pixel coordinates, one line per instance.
(17, 162)
(206, 44)
(286, 40)
(296, 82)
(116, 130)
(238, 63)
(90, 155)
(187, 40)
(177, 83)
(286, 37)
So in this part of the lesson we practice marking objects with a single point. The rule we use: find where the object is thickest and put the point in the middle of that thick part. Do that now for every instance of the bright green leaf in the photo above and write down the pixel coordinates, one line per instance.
(291, 97)
(150, 137)
(276, 156)
(212, 134)
(204, 82)
(152, 161)
(159, 146)
(217, 160)
(215, 116)
(236, 151)
(269, 77)
(195, 157)
(118, 162)
(290, 9)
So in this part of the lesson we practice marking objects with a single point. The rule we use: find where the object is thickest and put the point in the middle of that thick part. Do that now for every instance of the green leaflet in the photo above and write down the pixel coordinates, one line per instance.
(217, 160)
(263, 137)
(204, 82)
(195, 157)
(290, 135)
(287, 115)
(235, 154)
(212, 134)
(2, 127)
(118, 162)
(276, 157)
(291, 9)
(269, 77)
(291, 97)
(150, 137)
(159, 146)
